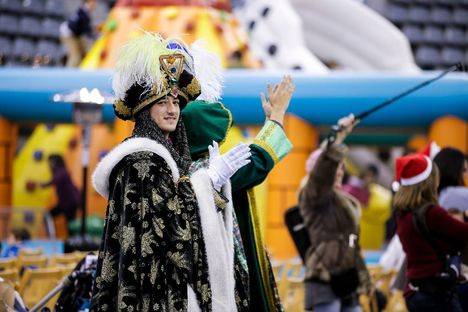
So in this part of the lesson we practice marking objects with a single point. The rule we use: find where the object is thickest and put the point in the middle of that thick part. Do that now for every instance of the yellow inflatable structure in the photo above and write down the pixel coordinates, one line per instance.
(374, 216)
(31, 166)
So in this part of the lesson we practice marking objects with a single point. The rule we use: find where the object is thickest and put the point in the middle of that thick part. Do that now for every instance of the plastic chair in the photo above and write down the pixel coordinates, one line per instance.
(8, 264)
(368, 304)
(447, 2)
(397, 13)
(278, 268)
(64, 260)
(6, 46)
(460, 16)
(442, 15)
(428, 56)
(382, 279)
(33, 262)
(50, 28)
(35, 284)
(454, 35)
(27, 252)
(414, 33)
(433, 34)
(48, 51)
(14, 6)
(8, 24)
(452, 55)
(11, 276)
(294, 294)
(80, 255)
(34, 7)
(396, 302)
(67, 269)
(419, 14)
(16, 63)
(24, 51)
(29, 26)
(55, 8)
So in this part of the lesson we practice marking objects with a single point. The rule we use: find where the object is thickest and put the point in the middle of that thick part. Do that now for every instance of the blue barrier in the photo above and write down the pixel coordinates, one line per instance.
(49, 247)
(26, 94)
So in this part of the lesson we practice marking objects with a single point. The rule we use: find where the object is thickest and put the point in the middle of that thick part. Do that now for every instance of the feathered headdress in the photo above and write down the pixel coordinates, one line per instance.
(205, 65)
(149, 68)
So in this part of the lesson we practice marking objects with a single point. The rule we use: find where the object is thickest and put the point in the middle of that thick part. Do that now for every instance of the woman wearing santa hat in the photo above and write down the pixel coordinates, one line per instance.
(429, 235)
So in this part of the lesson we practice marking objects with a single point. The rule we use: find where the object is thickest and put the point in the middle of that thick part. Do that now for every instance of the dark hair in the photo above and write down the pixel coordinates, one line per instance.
(56, 160)
(346, 176)
(373, 169)
(450, 162)
(21, 234)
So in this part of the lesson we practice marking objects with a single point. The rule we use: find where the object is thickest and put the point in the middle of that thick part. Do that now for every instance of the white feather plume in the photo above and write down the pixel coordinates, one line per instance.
(139, 63)
(208, 71)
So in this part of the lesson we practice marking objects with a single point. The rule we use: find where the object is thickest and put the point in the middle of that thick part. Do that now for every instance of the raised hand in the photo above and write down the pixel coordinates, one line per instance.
(347, 125)
(279, 97)
(265, 105)
(222, 167)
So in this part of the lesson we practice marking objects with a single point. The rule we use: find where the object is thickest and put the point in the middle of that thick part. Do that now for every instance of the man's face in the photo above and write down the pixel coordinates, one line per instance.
(165, 114)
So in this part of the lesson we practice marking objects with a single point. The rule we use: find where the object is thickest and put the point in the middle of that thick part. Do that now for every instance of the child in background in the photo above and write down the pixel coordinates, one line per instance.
(15, 242)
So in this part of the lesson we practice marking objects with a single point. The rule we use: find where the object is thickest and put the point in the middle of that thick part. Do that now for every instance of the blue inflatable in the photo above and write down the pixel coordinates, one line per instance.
(26, 94)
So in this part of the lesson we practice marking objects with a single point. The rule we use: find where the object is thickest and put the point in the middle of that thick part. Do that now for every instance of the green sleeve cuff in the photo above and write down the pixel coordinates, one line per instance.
(274, 141)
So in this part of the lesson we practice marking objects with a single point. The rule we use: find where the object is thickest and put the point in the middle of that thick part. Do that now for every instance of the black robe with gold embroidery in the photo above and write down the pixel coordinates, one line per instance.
(152, 244)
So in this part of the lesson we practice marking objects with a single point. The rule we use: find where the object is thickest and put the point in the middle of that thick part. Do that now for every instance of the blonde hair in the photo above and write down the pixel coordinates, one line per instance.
(412, 197)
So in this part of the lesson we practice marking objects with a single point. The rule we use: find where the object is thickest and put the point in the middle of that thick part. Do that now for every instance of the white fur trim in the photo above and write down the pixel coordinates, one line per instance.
(219, 241)
(192, 302)
(104, 168)
(395, 186)
(420, 177)
(434, 149)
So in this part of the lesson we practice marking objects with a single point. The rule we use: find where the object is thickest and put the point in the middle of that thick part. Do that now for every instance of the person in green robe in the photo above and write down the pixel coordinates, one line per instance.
(157, 251)
(210, 121)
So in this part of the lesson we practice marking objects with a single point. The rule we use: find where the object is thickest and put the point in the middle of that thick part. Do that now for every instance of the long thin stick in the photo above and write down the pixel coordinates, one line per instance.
(364, 114)
(361, 116)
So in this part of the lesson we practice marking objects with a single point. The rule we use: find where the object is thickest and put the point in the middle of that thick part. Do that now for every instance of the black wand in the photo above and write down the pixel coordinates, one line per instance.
(337, 128)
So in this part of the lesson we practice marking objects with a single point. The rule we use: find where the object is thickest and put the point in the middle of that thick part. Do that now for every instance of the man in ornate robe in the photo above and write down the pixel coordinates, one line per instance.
(157, 252)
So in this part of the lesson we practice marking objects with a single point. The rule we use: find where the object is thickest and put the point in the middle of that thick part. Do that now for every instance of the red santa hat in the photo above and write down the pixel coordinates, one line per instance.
(431, 150)
(411, 169)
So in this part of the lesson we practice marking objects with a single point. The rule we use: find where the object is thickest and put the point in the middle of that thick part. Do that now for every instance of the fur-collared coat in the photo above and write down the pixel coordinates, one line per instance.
(332, 221)
(165, 247)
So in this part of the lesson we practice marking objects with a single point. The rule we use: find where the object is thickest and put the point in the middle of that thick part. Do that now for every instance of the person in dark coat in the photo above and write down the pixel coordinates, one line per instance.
(68, 195)
(336, 271)
(76, 31)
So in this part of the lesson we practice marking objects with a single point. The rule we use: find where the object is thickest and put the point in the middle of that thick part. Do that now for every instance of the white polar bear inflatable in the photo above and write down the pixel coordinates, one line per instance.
(353, 36)
(345, 33)
(276, 36)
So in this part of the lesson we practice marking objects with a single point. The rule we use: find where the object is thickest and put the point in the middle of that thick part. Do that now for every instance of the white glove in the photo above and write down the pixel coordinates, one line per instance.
(222, 167)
